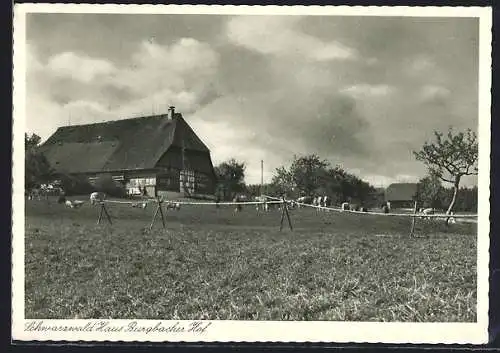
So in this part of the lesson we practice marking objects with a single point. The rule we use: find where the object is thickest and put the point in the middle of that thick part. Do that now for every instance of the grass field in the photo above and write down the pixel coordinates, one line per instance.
(213, 264)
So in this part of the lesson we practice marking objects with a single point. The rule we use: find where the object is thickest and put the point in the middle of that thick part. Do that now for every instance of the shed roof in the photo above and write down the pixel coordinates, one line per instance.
(401, 192)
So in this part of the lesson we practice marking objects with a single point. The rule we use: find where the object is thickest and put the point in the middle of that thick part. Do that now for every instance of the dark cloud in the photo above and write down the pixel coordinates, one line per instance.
(321, 124)
(114, 36)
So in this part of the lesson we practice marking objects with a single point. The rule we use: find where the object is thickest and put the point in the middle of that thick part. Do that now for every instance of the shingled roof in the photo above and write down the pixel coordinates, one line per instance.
(127, 144)
(401, 192)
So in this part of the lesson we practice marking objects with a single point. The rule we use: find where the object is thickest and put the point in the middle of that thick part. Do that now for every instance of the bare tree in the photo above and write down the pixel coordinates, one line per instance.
(450, 158)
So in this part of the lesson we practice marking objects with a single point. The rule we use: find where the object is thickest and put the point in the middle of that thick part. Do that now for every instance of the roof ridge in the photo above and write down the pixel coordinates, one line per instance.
(404, 183)
(163, 116)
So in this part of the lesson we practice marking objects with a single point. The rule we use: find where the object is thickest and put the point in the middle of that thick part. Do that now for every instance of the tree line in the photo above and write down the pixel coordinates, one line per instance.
(307, 175)
(432, 193)
(448, 158)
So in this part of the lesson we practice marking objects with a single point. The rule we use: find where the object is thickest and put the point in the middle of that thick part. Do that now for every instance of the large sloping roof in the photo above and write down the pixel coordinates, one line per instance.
(401, 192)
(80, 157)
(127, 144)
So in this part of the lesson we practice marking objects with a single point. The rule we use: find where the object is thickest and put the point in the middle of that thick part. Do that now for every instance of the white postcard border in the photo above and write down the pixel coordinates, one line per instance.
(251, 331)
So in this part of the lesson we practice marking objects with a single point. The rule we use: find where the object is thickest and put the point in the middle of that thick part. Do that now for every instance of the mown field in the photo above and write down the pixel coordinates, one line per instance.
(213, 264)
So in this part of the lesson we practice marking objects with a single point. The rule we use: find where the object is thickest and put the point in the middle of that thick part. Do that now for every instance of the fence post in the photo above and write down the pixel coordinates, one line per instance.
(160, 202)
(103, 210)
(413, 220)
(288, 215)
(284, 212)
(158, 210)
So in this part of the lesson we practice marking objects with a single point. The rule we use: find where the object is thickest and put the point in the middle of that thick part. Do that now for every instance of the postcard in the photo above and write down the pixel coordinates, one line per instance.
(251, 173)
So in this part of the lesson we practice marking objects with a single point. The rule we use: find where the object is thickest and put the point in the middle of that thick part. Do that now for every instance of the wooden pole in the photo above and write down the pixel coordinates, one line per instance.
(160, 202)
(105, 211)
(282, 216)
(100, 215)
(287, 215)
(154, 217)
(159, 209)
(261, 175)
(107, 214)
(284, 212)
(413, 220)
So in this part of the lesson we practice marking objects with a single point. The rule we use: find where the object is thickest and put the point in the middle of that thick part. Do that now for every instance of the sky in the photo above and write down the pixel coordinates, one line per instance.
(360, 92)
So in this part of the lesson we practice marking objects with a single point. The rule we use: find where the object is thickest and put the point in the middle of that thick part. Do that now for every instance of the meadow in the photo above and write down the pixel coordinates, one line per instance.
(210, 263)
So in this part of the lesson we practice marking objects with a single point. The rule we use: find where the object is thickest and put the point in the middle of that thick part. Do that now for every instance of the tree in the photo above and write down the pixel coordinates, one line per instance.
(230, 176)
(431, 192)
(361, 189)
(31, 142)
(305, 176)
(451, 157)
(253, 190)
(467, 199)
(309, 175)
(308, 172)
(283, 182)
(336, 184)
(37, 168)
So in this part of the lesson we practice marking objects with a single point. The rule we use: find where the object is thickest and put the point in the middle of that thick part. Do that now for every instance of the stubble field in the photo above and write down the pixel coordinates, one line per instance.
(210, 263)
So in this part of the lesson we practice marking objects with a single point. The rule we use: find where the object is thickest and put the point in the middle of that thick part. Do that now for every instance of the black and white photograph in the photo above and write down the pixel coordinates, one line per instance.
(200, 173)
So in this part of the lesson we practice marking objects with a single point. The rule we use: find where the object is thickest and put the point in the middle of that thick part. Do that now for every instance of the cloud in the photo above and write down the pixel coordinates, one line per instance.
(79, 67)
(379, 180)
(278, 35)
(222, 135)
(33, 64)
(91, 89)
(184, 55)
(275, 126)
(80, 111)
(434, 93)
(186, 64)
(181, 74)
(421, 64)
(363, 90)
(424, 70)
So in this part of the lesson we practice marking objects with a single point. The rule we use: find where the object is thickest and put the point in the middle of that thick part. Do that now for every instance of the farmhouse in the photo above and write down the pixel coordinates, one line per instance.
(158, 153)
(401, 195)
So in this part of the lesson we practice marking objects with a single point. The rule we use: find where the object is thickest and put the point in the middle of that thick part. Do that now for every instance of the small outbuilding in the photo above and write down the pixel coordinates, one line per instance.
(401, 195)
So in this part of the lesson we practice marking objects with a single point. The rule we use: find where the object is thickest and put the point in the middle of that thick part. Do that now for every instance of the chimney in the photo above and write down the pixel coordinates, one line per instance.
(171, 112)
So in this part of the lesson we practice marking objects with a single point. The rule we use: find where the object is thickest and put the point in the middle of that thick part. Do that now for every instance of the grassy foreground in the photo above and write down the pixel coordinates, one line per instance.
(213, 264)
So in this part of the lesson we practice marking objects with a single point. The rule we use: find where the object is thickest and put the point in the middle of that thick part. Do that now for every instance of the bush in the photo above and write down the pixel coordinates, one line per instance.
(107, 185)
(205, 197)
(76, 185)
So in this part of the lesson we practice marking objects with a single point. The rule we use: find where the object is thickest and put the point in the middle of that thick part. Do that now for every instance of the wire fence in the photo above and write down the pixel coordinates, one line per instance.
(411, 215)
(266, 200)
(160, 201)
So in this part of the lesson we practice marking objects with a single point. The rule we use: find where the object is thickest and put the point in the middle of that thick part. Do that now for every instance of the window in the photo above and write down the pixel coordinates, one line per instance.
(135, 182)
(187, 181)
(168, 180)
